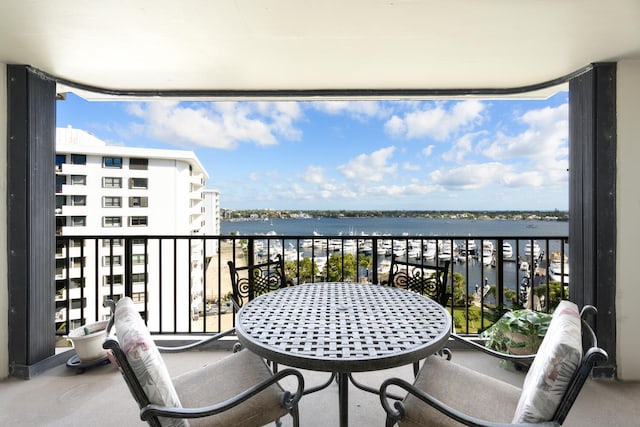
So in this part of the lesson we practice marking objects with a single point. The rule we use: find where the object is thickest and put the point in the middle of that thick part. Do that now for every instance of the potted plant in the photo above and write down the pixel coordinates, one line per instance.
(517, 332)
(87, 341)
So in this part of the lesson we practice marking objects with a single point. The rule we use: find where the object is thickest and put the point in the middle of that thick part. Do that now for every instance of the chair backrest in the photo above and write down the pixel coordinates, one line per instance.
(254, 280)
(426, 279)
(561, 366)
(139, 361)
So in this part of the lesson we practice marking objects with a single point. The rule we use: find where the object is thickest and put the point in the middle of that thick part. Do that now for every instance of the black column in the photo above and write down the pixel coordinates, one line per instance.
(592, 201)
(31, 218)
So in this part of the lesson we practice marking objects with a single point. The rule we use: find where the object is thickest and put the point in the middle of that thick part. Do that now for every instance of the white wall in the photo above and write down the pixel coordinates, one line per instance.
(4, 286)
(628, 212)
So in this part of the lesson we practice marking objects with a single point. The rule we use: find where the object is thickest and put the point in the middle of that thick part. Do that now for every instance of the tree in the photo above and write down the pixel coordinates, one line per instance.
(341, 268)
(305, 272)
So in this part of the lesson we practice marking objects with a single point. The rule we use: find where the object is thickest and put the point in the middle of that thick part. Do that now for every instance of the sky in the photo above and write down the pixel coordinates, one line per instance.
(463, 155)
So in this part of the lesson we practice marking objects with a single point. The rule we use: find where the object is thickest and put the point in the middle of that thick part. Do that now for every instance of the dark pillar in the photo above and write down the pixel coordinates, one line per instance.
(31, 220)
(592, 201)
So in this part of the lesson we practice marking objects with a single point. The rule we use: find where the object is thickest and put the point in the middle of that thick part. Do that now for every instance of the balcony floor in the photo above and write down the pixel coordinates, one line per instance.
(62, 397)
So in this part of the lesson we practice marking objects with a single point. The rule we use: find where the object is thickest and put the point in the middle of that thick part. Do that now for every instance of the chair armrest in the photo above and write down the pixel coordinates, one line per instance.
(169, 349)
(396, 412)
(526, 358)
(289, 400)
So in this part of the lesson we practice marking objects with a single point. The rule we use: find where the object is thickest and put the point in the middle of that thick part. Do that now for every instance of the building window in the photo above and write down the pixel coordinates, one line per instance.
(138, 202)
(111, 182)
(138, 242)
(76, 262)
(59, 202)
(111, 202)
(112, 162)
(137, 221)
(76, 283)
(116, 279)
(76, 243)
(138, 183)
(107, 242)
(78, 303)
(137, 259)
(115, 298)
(78, 221)
(79, 200)
(78, 159)
(138, 297)
(78, 180)
(138, 278)
(108, 260)
(112, 221)
(139, 164)
(60, 160)
(60, 181)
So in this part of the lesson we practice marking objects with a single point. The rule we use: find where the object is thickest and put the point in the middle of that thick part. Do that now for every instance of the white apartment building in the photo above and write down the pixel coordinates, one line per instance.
(211, 219)
(129, 193)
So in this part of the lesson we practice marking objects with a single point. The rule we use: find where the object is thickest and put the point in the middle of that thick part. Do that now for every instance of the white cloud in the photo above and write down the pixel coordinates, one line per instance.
(217, 125)
(438, 123)
(369, 167)
(410, 166)
(426, 151)
(469, 177)
(545, 138)
(460, 148)
(314, 174)
(359, 110)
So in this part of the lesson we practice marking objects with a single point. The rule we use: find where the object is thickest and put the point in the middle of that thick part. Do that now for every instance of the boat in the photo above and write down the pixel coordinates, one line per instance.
(445, 250)
(468, 248)
(487, 252)
(430, 250)
(530, 250)
(559, 268)
(507, 250)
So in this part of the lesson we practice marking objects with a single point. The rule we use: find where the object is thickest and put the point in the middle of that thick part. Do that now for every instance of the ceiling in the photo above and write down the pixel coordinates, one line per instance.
(291, 45)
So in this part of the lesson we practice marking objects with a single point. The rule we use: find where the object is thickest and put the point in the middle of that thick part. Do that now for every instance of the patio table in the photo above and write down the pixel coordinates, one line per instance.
(343, 328)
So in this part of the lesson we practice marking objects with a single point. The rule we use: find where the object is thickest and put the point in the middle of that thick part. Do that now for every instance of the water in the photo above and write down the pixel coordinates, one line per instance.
(398, 227)
(474, 271)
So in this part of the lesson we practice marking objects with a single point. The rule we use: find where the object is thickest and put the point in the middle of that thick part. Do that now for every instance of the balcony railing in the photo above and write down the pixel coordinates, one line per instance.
(181, 283)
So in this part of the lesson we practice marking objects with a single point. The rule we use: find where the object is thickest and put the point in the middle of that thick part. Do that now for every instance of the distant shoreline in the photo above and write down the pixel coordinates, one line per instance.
(262, 214)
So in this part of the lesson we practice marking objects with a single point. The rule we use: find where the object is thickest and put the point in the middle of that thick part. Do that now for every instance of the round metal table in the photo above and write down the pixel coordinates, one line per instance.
(343, 328)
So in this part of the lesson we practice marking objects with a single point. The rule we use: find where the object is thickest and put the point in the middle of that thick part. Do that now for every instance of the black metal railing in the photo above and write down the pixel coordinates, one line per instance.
(181, 283)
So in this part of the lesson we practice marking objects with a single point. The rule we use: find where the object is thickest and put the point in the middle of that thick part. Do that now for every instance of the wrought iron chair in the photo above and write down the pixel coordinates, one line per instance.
(426, 279)
(556, 376)
(237, 390)
(254, 280)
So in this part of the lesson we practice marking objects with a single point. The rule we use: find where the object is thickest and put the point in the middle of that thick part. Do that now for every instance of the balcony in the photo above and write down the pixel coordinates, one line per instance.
(62, 397)
(169, 272)
(486, 272)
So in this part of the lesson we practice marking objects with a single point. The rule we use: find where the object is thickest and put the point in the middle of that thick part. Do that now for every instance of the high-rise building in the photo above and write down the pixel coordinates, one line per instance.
(117, 191)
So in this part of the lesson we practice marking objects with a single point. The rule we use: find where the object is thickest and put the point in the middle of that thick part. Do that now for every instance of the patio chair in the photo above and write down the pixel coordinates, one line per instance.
(254, 280)
(448, 394)
(237, 390)
(425, 279)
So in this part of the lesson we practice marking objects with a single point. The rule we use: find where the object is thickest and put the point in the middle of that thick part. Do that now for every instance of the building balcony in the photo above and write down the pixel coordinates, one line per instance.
(62, 397)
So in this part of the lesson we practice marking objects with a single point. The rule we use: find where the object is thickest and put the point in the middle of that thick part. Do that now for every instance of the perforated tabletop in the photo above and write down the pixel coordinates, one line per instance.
(343, 327)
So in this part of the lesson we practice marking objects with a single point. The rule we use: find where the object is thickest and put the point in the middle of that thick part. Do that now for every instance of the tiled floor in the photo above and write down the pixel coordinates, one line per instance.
(99, 397)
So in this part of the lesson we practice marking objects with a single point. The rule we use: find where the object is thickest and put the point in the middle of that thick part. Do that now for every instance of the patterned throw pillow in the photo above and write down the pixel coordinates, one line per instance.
(557, 359)
(144, 357)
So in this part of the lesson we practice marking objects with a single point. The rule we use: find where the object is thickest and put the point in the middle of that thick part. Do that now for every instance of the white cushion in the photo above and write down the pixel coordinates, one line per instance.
(144, 357)
(555, 363)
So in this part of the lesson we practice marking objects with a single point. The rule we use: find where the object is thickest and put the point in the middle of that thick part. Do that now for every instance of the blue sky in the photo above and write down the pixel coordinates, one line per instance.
(414, 155)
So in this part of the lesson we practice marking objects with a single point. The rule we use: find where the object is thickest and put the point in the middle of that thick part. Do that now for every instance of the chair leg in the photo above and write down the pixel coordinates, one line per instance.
(295, 414)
